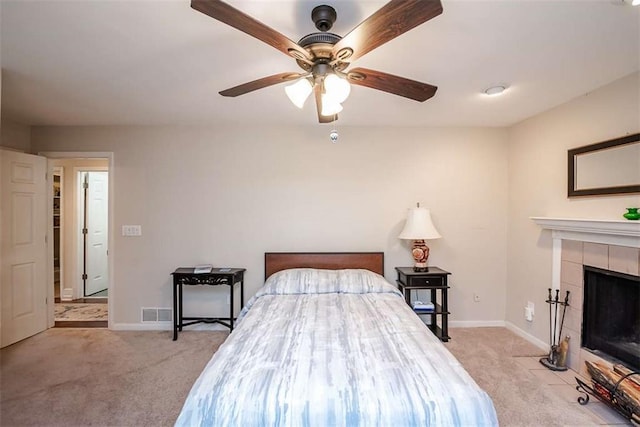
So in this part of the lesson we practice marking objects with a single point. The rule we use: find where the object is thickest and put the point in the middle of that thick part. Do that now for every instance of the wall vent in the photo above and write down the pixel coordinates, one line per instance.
(164, 315)
(155, 314)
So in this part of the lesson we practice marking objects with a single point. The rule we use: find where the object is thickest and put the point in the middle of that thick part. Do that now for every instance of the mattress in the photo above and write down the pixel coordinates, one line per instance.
(333, 348)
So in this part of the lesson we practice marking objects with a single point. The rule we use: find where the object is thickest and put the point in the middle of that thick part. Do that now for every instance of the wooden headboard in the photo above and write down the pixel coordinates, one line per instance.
(276, 261)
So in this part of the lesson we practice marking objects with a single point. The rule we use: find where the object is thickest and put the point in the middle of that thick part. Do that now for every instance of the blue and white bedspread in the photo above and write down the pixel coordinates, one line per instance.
(333, 348)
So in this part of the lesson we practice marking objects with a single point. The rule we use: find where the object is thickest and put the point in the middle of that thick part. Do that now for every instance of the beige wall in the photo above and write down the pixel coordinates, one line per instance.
(225, 196)
(538, 187)
(15, 136)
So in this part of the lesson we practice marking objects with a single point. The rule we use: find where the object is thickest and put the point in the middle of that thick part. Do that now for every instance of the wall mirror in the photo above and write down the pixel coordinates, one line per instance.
(609, 167)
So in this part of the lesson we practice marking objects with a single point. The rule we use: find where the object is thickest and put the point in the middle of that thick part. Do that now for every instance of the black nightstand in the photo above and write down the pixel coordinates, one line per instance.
(435, 280)
(218, 276)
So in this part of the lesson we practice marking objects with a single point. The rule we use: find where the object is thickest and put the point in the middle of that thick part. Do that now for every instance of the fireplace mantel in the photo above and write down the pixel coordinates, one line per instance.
(611, 232)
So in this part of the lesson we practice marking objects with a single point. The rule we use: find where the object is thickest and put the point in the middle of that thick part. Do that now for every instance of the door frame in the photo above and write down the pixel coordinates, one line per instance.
(110, 232)
(79, 224)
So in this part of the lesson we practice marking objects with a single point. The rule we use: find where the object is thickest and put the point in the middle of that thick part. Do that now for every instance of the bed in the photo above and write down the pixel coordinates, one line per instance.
(327, 341)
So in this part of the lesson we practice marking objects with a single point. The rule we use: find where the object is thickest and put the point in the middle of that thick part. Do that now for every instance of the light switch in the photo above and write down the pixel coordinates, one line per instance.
(132, 230)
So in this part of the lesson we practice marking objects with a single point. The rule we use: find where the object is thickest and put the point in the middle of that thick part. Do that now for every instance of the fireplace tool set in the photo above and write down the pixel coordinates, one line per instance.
(557, 358)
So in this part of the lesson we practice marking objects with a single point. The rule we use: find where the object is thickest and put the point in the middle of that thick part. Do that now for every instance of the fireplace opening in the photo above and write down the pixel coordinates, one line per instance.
(611, 315)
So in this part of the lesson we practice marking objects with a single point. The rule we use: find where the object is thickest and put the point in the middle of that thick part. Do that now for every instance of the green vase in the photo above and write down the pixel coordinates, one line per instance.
(632, 214)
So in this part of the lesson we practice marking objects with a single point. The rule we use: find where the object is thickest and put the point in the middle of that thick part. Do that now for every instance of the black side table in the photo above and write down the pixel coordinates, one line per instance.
(217, 276)
(435, 280)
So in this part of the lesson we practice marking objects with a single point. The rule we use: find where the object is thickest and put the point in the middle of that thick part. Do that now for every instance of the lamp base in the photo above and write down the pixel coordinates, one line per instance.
(420, 252)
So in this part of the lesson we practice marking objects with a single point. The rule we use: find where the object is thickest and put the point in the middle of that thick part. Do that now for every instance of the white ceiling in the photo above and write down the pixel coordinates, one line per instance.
(157, 62)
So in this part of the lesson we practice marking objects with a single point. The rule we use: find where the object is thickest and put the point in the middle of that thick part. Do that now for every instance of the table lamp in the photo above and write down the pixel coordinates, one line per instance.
(419, 228)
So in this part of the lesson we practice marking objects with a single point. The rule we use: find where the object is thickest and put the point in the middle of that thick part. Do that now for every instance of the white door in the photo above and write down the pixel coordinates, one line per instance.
(23, 265)
(96, 220)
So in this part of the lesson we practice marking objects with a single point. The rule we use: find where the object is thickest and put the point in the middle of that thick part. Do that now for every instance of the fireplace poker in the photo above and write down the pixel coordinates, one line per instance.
(555, 320)
(550, 317)
(564, 310)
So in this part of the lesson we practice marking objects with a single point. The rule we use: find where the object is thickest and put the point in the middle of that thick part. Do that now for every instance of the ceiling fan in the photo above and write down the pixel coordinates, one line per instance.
(324, 57)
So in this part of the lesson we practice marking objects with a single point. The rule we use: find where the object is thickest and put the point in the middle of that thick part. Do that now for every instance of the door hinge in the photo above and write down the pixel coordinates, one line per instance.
(85, 231)
(85, 185)
(84, 276)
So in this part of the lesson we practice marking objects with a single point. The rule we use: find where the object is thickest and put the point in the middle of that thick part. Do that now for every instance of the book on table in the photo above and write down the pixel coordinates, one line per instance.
(203, 268)
(425, 307)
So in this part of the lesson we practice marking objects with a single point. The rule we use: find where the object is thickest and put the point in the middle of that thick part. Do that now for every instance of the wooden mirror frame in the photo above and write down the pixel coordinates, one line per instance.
(573, 153)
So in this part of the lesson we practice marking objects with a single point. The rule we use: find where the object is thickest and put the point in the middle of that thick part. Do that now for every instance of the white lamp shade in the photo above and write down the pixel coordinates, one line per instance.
(336, 87)
(419, 226)
(299, 92)
(329, 106)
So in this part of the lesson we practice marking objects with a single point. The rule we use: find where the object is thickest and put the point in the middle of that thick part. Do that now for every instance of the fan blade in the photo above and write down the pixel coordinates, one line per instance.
(393, 19)
(229, 15)
(317, 91)
(391, 84)
(260, 83)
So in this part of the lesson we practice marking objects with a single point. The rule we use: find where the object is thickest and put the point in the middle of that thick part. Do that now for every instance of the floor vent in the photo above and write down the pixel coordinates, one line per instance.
(152, 314)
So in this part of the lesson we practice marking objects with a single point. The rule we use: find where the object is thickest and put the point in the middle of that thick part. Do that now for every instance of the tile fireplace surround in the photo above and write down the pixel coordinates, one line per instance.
(610, 245)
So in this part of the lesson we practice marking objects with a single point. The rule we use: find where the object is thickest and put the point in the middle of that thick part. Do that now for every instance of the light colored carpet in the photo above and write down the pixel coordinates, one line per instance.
(80, 377)
(519, 397)
(80, 311)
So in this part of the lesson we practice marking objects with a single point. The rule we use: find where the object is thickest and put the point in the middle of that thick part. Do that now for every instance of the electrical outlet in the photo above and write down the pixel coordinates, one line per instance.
(529, 311)
(528, 316)
(476, 297)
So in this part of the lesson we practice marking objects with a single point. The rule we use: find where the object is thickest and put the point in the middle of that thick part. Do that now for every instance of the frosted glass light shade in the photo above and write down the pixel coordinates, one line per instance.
(330, 106)
(419, 226)
(299, 92)
(336, 87)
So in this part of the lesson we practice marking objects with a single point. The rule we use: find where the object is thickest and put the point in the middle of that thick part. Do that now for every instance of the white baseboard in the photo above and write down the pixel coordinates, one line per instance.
(476, 323)
(165, 326)
(527, 336)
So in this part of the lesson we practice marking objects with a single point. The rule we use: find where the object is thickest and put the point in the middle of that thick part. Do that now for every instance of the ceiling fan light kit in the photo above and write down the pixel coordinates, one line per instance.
(329, 106)
(299, 92)
(336, 87)
(324, 57)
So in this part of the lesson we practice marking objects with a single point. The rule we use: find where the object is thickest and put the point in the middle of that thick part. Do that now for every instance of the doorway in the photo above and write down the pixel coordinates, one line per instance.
(83, 248)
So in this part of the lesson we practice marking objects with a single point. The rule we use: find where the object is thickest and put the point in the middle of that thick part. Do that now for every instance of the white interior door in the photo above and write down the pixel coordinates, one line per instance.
(96, 220)
(23, 226)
